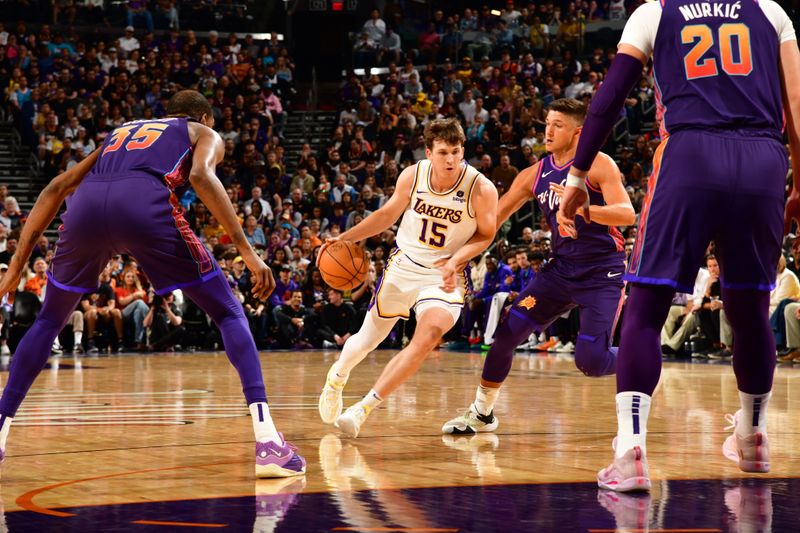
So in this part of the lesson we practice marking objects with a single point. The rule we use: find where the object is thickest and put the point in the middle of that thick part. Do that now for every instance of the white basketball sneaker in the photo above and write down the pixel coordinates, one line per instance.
(330, 400)
(351, 420)
(470, 423)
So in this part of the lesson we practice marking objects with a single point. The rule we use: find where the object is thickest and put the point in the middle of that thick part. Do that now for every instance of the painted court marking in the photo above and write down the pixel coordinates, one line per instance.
(175, 524)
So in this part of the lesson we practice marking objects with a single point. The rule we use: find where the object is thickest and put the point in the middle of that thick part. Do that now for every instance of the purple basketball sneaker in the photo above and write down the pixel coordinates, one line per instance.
(278, 460)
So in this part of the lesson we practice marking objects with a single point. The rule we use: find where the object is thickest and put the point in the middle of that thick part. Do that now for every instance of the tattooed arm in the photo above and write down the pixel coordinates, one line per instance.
(43, 212)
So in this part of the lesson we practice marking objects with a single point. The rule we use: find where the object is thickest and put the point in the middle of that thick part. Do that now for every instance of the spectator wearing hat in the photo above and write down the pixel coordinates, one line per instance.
(422, 106)
(464, 71)
(284, 286)
(128, 43)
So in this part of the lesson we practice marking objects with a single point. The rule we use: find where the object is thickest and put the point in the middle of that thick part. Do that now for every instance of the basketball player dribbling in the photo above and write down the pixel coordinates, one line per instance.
(585, 268)
(449, 211)
(725, 71)
(124, 199)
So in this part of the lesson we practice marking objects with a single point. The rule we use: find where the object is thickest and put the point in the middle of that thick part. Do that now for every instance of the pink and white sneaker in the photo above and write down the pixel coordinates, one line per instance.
(751, 507)
(631, 511)
(751, 452)
(627, 473)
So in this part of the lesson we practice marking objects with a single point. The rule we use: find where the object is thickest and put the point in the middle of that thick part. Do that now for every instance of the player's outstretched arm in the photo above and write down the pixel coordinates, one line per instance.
(382, 219)
(521, 191)
(44, 210)
(208, 151)
(484, 204)
(790, 82)
(624, 73)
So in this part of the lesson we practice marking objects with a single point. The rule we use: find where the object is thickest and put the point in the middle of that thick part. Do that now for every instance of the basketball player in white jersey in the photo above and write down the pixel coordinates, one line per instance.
(449, 211)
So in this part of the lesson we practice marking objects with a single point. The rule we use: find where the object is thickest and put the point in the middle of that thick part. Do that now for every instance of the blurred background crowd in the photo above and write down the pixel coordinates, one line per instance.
(307, 159)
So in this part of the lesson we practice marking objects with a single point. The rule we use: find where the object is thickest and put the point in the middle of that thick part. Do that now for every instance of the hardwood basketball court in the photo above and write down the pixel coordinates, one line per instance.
(164, 442)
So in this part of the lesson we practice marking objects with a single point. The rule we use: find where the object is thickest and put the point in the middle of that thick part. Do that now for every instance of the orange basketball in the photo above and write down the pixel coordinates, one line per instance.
(343, 265)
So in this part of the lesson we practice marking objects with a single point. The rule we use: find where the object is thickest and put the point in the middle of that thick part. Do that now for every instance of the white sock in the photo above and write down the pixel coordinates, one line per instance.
(633, 409)
(78, 337)
(371, 400)
(485, 398)
(339, 374)
(4, 429)
(754, 413)
(263, 426)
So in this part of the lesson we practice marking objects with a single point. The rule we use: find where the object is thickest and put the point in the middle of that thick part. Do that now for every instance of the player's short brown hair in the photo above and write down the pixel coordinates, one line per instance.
(448, 130)
(570, 107)
(190, 104)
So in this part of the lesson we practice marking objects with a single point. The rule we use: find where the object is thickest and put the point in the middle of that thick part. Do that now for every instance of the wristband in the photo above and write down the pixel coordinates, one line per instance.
(577, 182)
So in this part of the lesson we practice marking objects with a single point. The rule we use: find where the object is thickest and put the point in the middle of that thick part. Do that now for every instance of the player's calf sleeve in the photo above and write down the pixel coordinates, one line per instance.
(216, 299)
(594, 357)
(513, 330)
(639, 356)
(372, 332)
(34, 348)
(754, 342)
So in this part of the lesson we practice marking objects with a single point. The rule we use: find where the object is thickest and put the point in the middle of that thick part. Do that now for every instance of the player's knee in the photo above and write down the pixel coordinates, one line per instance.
(592, 356)
(427, 339)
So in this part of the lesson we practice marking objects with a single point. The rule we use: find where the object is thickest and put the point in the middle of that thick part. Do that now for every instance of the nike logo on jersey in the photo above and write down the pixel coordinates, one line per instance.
(420, 192)
(614, 274)
(546, 173)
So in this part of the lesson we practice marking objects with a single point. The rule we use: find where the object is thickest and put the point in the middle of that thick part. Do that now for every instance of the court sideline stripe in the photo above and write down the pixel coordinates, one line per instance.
(177, 524)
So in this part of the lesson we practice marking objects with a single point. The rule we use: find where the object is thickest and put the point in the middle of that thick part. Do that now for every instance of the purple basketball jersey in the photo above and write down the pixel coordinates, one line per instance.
(158, 148)
(595, 241)
(715, 67)
(129, 203)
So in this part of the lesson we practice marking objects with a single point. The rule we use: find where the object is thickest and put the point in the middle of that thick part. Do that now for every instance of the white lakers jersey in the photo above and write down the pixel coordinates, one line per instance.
(437, 224)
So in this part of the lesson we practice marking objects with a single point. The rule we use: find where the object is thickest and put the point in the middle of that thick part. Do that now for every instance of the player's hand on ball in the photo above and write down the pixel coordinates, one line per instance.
(448, 269)
(261, 276)
(328, 242)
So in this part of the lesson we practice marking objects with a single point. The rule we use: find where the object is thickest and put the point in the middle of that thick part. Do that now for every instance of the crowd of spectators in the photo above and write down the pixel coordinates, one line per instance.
(150, 15)
(67, 93)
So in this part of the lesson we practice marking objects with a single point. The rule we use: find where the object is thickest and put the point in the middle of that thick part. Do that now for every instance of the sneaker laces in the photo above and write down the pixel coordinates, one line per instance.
(732, 419)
